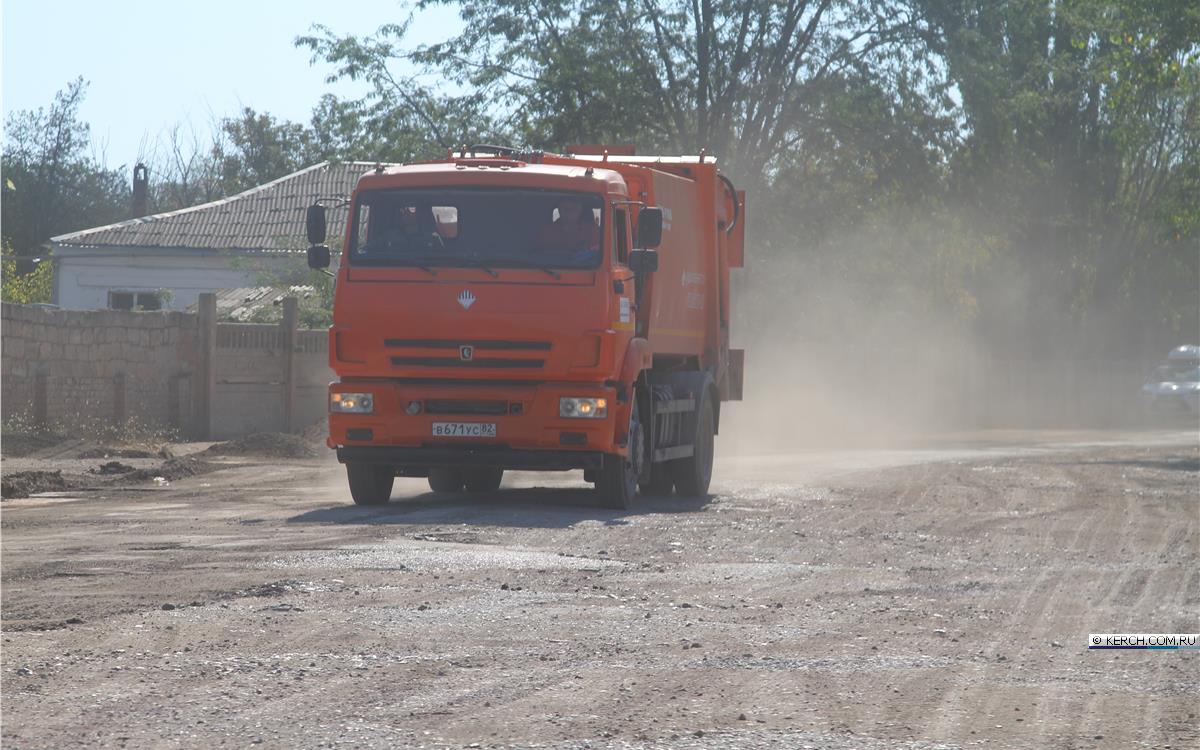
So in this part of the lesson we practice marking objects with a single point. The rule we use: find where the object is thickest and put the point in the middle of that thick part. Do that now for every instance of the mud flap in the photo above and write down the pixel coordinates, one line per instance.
(731, 386)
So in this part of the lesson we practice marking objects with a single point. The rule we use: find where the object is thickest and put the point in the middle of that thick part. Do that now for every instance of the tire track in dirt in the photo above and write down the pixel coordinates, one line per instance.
(919, 604)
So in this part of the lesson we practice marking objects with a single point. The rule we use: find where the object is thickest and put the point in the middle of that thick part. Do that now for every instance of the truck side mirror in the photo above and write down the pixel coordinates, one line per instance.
(643, 261)
(314, 223)
(318, 256)
(649, 227)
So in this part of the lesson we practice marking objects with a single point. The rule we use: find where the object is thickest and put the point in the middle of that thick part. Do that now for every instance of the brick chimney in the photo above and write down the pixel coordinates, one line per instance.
(141, 183)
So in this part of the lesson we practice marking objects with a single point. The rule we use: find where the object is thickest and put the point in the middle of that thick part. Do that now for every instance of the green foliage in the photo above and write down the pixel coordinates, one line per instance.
(399, 119)
(52, 184)
(314, 296)
(1030, 169)
(1083, 148)
(257, 148)
(245, 151)
(25, 288)
(313, 290)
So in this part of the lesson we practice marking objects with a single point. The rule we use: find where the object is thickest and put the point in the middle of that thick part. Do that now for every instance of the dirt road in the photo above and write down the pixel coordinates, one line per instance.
(857, 599)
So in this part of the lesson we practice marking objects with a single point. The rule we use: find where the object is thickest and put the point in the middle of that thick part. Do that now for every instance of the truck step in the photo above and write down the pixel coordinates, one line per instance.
(673, 452)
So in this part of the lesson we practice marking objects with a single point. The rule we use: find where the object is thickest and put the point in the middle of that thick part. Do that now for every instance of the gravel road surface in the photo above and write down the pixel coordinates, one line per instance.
(930, 597)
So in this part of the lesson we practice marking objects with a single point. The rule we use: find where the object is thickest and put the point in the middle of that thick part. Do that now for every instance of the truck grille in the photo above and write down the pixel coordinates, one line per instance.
(493, 347)
(451, 406)
(476, 362)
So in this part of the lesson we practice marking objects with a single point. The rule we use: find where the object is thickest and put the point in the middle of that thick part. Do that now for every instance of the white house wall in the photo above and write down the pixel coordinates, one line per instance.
(82, 282)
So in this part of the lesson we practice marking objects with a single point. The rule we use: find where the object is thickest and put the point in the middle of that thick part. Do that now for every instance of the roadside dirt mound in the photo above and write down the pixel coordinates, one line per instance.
(265, 445)
(316, 432)
(170, 470)
(26, 483)
(20, 444)
(104, 451)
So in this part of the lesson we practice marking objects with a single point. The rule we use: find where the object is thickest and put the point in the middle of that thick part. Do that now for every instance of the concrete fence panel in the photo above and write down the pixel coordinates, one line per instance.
(183, 373)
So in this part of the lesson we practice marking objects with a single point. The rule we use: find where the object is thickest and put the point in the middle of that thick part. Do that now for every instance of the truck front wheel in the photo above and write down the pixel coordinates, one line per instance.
(617, 480)
(370, 484)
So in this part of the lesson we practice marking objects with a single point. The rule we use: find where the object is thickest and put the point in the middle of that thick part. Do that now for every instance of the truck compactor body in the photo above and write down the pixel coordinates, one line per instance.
(502, 310)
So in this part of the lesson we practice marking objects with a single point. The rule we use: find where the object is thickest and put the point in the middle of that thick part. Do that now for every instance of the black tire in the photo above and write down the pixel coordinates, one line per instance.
(446, 480)
(617, 480)
(617, 484)
(693, 474)
(370, 484)
(483, 480)
(661, 481)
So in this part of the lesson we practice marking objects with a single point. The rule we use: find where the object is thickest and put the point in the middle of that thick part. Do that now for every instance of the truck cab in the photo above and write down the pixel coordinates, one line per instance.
(491, 313)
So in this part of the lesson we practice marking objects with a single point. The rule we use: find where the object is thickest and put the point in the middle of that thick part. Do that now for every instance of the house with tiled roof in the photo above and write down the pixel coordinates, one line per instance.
(165, 261)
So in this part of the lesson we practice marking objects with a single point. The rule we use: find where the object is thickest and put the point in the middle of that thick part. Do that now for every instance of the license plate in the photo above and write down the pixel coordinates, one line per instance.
(464, 429)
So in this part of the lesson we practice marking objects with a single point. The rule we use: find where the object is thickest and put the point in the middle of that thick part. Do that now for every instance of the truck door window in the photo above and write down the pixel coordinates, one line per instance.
(362, 236)
(620, 237)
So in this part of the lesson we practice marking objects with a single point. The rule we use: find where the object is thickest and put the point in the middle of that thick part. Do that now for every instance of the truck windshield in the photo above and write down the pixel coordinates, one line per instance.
(490, 228)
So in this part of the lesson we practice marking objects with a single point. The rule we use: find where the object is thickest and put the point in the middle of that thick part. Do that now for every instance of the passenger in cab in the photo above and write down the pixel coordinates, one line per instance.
(573, 233)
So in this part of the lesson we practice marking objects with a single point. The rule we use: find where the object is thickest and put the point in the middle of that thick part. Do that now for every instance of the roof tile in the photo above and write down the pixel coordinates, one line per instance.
(268, 218)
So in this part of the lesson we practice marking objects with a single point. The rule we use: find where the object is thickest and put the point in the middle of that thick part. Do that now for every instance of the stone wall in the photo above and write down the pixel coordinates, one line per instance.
(79, 369)
(173, 372)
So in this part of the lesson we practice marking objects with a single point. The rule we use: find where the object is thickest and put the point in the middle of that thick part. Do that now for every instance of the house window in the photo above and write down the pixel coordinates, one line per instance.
(135, 301)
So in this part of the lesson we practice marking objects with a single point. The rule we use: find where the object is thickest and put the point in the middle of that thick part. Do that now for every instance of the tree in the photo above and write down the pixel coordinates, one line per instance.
(748, 80)
(243, 151)
(400, 118)
(255, 148)
(1082, 121)
(1028, 168)
(57, 186)
(28, 288)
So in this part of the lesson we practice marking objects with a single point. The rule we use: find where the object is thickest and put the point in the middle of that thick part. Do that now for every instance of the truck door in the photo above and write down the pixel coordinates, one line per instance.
(623, 277)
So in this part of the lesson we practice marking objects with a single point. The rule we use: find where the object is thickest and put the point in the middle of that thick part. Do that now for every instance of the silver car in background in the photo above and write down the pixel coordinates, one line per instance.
(1174, 386)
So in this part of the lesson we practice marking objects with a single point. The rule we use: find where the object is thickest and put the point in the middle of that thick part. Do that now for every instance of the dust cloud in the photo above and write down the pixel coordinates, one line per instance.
(835, 359)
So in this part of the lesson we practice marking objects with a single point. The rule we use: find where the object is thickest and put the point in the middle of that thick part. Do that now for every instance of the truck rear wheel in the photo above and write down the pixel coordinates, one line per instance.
(483, 480)
(370, 484)
(446, 480)
(693, 474)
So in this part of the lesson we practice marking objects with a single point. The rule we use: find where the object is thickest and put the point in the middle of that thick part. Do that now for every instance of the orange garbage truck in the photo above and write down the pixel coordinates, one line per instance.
(505, 310)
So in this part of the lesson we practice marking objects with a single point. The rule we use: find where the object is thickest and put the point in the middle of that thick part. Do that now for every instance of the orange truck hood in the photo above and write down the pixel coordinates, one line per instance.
(464, 324)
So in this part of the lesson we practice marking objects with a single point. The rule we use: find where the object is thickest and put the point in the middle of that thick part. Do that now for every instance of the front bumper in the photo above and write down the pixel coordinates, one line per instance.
(471, 457)
(528, 428)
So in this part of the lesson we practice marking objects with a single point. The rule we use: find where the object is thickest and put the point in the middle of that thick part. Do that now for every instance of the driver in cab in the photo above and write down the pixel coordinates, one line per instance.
(573, 233)
(402, 231)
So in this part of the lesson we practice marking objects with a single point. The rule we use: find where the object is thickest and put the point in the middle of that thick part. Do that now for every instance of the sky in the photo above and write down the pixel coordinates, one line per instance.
(157, 64)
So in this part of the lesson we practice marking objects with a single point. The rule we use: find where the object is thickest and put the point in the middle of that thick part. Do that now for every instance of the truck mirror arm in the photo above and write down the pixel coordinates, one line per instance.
(737, 210)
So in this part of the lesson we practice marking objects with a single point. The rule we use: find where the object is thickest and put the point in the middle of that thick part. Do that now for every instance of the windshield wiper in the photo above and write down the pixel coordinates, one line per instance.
(425, 262)
(539, 266)
(478, 263)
